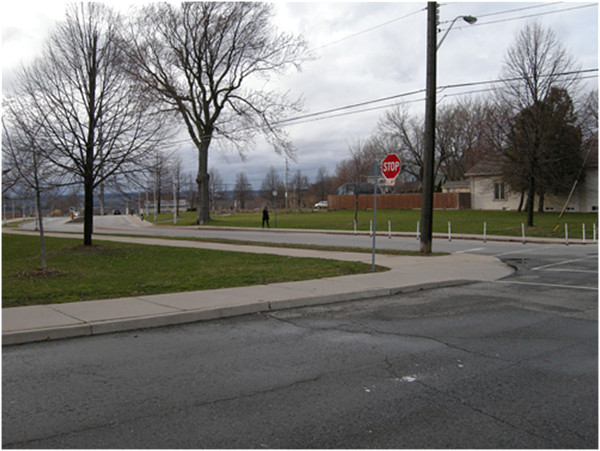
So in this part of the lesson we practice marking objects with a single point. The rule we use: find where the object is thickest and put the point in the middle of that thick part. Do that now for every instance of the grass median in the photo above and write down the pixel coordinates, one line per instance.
(112, 270)
(507, 223)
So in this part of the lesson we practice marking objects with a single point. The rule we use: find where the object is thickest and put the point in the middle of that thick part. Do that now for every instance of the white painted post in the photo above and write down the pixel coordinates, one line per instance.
(523, 231)
(390, 229)
(418, 232)
(371, 227)
(583, 235)
(566, 234)
(449, 231)
(484, 231)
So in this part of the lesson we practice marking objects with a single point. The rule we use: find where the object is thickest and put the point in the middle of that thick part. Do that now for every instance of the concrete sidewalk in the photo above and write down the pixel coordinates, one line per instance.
(54, 321)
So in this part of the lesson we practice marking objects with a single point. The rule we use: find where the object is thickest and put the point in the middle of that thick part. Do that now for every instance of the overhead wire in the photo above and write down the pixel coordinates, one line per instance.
(510, 19)
(508, 11)
(326, 114)
(369, 29)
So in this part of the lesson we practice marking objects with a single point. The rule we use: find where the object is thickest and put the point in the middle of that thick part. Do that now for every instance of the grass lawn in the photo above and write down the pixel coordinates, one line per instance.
(463, 221)
(111, 270)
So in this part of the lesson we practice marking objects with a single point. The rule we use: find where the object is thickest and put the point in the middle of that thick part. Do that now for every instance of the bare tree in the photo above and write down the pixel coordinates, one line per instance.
(299, 186)
(202, 58)
(588, 121)
(323, 184)
(403, 134)
(272, 182)
(461, 136)
(177, 180)
(159, 172)
(96, 120)
(534, 64)
(22, 145)
(356, 169)
(217, 188)
(242, 192)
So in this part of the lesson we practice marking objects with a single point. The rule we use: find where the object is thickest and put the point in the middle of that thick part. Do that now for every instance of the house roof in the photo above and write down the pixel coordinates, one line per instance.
(457, 184)
(485, 167)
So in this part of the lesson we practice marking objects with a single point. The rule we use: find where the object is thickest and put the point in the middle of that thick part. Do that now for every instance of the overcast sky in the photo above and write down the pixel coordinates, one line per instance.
(364, 52)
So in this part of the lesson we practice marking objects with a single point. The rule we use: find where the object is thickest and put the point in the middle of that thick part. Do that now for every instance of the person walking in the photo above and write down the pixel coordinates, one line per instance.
(265, 218)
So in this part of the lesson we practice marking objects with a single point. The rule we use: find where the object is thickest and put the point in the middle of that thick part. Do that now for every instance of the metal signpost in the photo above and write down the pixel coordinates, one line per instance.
(390, 168)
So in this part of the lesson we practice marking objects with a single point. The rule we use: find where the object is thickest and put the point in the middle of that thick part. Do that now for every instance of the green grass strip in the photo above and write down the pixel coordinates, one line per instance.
(506, 223)
(111, 270)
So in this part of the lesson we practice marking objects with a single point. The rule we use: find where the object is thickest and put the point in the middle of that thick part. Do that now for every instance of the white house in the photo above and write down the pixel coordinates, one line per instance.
(489, 192)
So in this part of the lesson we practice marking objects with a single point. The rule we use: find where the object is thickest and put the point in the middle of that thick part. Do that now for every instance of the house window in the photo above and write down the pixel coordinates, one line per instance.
(499, 191)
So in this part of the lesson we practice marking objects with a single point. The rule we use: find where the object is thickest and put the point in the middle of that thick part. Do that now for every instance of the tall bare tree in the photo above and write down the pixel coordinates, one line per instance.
(94, 117)
(272, 182)
(217, 188)
(24, 158)
(159, 171)
(323, 184)
(299, 186)
(203, 60)
(535, 63)
(357, 168)
(242, 191)
(402, 133)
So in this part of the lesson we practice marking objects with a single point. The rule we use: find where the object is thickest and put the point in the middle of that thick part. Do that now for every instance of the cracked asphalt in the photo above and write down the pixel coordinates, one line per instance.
(483, 365)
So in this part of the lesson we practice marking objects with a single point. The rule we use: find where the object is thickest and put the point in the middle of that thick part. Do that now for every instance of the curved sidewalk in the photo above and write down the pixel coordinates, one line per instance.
(406, 274)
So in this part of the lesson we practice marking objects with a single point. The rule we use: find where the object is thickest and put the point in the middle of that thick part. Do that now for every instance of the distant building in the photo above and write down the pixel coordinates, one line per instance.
(348, 188)
(458, 186)
(490, 192)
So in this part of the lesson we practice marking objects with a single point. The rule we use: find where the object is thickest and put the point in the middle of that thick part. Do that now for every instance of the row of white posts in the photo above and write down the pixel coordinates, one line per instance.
(594, 238)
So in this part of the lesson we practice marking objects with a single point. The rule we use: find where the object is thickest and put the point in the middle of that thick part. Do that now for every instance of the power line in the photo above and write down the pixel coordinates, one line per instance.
(369, 29)
(341, 111)
(406, 94)
(508, 11)
(509, 19)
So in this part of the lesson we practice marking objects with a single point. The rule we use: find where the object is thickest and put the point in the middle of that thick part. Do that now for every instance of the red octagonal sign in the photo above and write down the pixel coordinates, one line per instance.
(390, 166)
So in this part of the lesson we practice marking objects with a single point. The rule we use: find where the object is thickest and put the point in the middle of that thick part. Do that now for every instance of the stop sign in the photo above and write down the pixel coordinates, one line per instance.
(390, 166)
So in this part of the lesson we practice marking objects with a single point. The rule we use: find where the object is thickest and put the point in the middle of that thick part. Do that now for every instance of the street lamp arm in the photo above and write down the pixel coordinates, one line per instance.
(469, 19)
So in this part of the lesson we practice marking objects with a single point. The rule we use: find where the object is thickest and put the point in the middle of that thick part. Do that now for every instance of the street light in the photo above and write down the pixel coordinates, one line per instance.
(430, 104)
(469, 19)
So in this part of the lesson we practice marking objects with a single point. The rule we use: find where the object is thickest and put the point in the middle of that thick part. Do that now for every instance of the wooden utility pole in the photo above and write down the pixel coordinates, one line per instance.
(428, 160)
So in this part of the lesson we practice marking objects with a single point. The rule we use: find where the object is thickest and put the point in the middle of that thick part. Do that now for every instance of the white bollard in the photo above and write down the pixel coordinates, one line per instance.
(523, 231)
(449, 231)
(371, 227)
(583, 234)
(484, 231)
(418, 232)
(389, 229)
(566, 234)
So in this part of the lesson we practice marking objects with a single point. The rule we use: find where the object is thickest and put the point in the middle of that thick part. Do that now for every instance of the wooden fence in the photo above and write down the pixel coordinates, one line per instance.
(441, 201)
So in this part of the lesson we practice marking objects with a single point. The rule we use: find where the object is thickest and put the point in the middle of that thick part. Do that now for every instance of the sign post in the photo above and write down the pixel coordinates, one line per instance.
(390, 168)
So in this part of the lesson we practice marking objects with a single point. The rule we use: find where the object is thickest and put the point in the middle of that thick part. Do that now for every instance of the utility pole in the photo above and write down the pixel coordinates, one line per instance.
(430, 104)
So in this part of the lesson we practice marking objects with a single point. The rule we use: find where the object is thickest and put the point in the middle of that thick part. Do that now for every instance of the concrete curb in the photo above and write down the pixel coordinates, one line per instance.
(193, 316)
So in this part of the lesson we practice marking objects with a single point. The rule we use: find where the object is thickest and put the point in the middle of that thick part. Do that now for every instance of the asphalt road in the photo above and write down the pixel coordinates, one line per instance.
(508, 364)
(125, 225)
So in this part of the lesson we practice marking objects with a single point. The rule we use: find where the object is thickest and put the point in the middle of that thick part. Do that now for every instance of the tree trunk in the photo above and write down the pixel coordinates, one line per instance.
(88, 212)
(541, 203)
(530, 201)
(520, 208)
(203, 182)
(38, 205)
